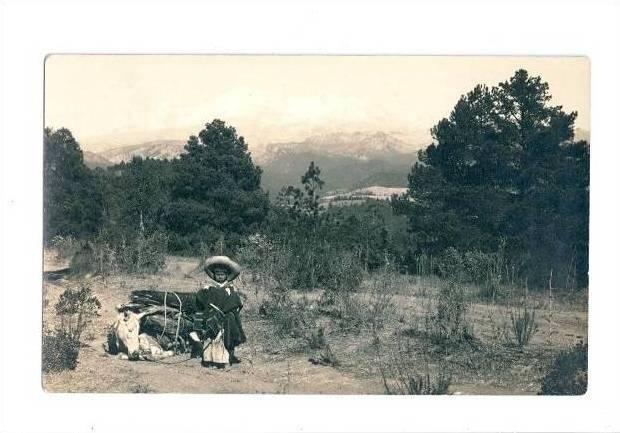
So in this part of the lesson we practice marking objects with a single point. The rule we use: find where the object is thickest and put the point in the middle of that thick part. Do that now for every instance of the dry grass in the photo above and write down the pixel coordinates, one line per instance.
(279, 363)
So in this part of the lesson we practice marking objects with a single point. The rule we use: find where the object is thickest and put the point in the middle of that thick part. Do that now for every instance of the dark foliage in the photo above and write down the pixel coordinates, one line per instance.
(76, 308)
(502, 193)
(504, 166)
(60, 352)
(72, 201)
(568, 374)
(216, 191)
(60, 349)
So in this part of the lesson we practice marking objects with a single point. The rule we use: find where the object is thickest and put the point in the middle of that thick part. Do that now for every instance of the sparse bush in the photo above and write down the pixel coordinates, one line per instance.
(316, 339)
(60, 351)
(483, 269)
(95, 257)
(65, 246)
(355, 311)
(105, 256)
(486, 269)
(380, 307)
(523, 325)
(399, 374)
(568, 374)
(304, 265)
(450, 264)
(343, 271)
(142, 388)
(146, 254)
(76, 309)
(446, 324)
(291, 318)
(325, 357)
(421, 385)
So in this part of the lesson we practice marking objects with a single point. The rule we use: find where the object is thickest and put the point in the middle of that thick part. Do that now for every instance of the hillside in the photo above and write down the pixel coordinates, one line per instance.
(159, 149)
(360, 195)
(347, 160)
(94, 160)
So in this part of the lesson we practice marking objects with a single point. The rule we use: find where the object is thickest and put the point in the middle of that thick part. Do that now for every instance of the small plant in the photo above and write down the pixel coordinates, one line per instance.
(316, 340)
(65, 246)
(106, 255)
(76, 309)
(523, 326)
(447, 324)
(399, 374)
(450, 265)
(568, 374)
(325, 357)
(60, 352)
(142, 388)
(424, 385)
(380, 299)
(290, 318)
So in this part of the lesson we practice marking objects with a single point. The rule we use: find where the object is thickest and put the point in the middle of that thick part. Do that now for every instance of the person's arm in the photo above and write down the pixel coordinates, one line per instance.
(202, 299)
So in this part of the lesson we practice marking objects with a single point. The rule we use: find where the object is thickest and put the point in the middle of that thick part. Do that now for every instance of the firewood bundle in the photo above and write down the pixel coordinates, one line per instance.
(168, 318)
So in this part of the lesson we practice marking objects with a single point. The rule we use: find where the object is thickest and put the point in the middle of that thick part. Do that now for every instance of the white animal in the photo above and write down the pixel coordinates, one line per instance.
(130, 342)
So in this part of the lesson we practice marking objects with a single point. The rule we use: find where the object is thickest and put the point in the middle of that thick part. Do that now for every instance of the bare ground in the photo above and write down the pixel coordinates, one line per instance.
(280, 365)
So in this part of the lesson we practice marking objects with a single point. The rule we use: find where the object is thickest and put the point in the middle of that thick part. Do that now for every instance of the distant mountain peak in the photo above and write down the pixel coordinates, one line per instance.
(363, 145)
(157, 149)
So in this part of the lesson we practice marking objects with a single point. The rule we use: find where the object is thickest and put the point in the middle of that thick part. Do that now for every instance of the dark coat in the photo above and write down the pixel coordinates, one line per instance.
(230, 305)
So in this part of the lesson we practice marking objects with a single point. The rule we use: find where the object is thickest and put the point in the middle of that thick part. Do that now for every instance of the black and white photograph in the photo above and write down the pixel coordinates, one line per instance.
(309, 216)
(316, 224)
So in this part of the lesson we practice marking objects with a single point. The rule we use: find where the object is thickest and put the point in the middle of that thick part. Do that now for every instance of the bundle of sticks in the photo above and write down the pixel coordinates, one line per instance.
(168, 318)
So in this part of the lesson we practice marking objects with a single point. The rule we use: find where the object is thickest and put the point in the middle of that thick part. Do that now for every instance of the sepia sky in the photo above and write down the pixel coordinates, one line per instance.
(113, 100)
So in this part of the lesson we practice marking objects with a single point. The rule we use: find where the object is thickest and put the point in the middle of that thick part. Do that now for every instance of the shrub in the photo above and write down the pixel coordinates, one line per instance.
(291, 318)
(380, 300)
(60, 351)
(342, 271)
(568, 374)
(325, 357)
(358, 310)
(304, 265)
(76, 309)
(106, 255)
(483, 269)
(450, 264)
(145, 254)
(523, 325)
(141, 388)
(316, 339)
(66, 246)
(399, 374)
(446, 324)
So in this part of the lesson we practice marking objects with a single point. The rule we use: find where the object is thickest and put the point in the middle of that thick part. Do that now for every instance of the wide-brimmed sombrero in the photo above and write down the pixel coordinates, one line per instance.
(222, 262)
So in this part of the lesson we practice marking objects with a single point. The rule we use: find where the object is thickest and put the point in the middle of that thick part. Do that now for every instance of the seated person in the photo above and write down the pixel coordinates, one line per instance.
(220, 306)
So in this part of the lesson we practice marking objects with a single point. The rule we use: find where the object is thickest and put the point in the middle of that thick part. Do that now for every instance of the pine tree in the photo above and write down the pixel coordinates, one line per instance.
(72, 202)
(216, 190)
(504, 165)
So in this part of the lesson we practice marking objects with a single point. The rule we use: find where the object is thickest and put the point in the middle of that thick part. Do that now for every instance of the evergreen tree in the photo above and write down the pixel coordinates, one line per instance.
(504, 165)
(216, 190)
(72, 202)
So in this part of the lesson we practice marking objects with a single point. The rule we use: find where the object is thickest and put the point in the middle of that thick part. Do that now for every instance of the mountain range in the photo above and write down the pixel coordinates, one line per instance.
(347, 160)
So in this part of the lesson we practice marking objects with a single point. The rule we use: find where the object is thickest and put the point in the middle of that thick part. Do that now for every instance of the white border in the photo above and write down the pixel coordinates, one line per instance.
(32, 30)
